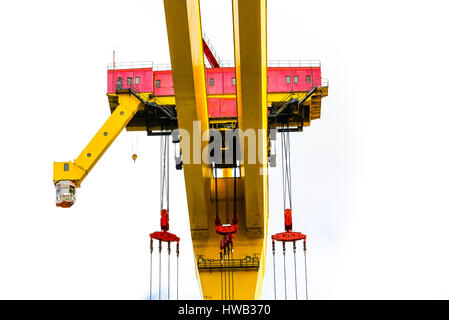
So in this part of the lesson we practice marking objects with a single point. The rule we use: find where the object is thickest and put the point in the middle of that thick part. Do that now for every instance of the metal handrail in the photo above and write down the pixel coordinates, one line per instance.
(324, 83)
(228, 263)
(130, 65)
(294, 63)
(279, 63)
(162, 66)
(211, 48)
(223, 64)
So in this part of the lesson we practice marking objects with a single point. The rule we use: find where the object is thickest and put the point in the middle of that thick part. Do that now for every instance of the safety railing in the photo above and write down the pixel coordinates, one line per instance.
(162, 66)
(216, 264)
(324, 83)
(130, 65)
(279, 63)
(138, 65)
(318, 83)
(211, 48)
(293, 63)
(223, 64)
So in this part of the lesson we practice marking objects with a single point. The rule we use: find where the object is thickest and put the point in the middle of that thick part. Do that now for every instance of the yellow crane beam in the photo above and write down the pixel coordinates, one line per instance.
(186, 53)
(250, 47)
(251, 86)
(184, 35)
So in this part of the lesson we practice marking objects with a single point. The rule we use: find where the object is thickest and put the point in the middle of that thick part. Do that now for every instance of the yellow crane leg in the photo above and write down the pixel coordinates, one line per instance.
(185, 41)
(186, 53)
(250, 47)
(74, 172)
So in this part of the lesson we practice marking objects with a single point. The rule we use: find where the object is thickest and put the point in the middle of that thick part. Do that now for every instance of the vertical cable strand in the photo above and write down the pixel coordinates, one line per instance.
(296, 279)
(151, 268)
(160, 258)
(168, 272)
(285, 272)
(305, 269)
(274, 270)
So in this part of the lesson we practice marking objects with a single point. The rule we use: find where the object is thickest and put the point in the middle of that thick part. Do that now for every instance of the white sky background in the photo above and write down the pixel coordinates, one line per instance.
(370, 178)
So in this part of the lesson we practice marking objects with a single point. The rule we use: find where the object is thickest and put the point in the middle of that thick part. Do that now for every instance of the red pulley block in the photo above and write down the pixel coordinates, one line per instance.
(288, 219)
(164, 220)
(289, 235)
(227, 231)
(164, 235)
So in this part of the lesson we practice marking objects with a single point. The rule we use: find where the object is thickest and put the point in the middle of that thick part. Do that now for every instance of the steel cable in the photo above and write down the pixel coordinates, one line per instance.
(160, 258)
(168, 272)
(177, 271)
(285, 272)
(274, 271)
(305, 268)
(221, 273)
(167, 149)
(151, 268)
(296, 279)
(232, 258)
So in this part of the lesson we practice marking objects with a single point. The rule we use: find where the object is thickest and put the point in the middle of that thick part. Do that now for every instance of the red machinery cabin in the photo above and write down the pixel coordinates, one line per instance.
(145, 78)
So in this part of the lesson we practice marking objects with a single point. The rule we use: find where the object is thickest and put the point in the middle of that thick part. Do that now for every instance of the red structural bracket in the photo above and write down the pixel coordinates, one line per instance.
(210, 56)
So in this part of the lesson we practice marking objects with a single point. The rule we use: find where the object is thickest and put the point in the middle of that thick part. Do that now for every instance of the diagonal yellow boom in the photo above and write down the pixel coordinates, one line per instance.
(73, 173)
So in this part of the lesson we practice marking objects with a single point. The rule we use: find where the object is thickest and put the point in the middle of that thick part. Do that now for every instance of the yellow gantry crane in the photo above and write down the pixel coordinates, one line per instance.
(239, 272)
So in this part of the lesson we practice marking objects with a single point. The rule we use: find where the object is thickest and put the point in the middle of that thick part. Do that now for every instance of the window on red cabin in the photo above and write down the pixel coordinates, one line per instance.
(158, 83)
(295, 79)
(211, 82)
(308, 79)
(136, 80)
(233, 81)
(129, 81)
(287, 79)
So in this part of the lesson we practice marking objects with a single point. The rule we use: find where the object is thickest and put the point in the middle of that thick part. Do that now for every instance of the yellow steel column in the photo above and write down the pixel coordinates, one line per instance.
(186, 53)
(250, 46)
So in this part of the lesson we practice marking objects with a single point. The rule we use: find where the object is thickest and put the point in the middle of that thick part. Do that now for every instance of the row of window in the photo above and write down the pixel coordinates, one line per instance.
(129, 80)
(287, 80)
(296, 79)
(212, 80)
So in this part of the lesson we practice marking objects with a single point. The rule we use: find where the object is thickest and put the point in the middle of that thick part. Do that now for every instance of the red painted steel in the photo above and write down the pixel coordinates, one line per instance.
(210, 56)
(145, 76)
(164, 235)
(288, 235)
(218, 81)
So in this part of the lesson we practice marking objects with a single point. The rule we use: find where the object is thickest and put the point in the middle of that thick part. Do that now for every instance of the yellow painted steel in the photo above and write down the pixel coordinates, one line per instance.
(250, 48)
(251, 194)
(184, 34)
(77, 170)
(138, 124)
(186, 54)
